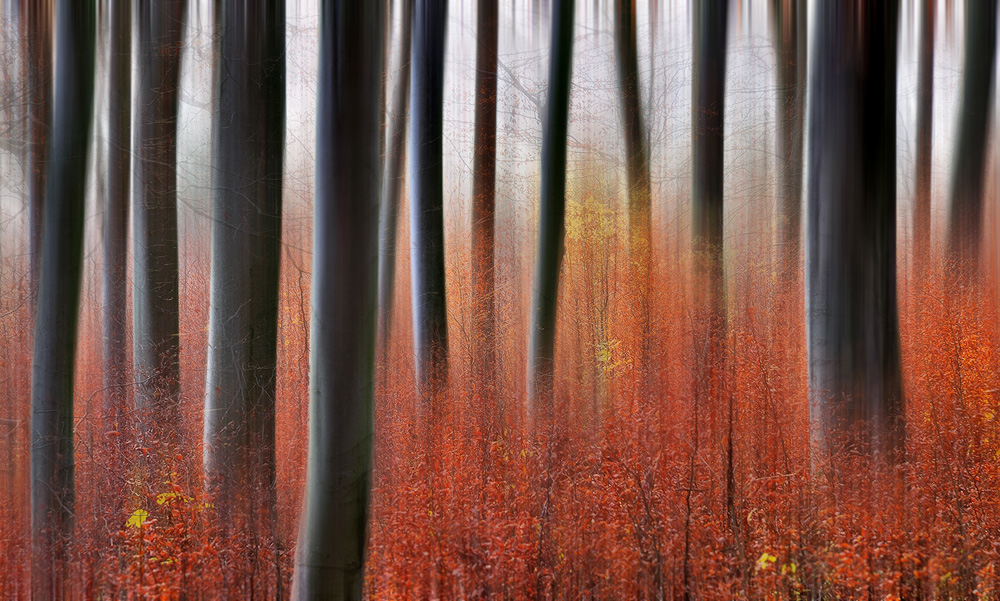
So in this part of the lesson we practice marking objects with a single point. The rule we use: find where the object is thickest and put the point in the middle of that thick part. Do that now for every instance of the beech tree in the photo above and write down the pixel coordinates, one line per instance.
(38, 40)
(484, 167)
(551, 214)
(430, 320)
(789, 28)
(239, 429)
(156, 342)
(969, 168)
(330, 556)
(392, 184)
(925, 111)
(851, 313)
(52, 462)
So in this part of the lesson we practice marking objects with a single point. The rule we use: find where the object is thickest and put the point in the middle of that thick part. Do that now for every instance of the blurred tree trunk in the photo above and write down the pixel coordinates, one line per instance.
(154, 230)
(484, 169)
(239, 455)
(329, 560)
(392, 185)
(789, 28)
(851, 312)
(430, 320)
(52, 463)
(925, 112)
(115, 294)
(38, 40)
(969, 169)
(551, 215)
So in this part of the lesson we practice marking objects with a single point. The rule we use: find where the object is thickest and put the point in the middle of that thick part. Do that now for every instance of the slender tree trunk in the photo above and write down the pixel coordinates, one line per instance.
(789, 31)
(851, 311)
(392, 185)
(52, 487)
(330, 556)
(925, 111)
(246, 243)
(634, 126)
(38, 26)
(114, 325)
(430, 320)
(156, 341)
(969, 171)
(552, 215)
(484, 169)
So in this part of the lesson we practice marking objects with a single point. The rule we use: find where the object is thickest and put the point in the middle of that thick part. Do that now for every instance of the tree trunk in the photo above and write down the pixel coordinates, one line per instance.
(925, 111)
(239, 454)
(430, 320)
(38, 26)
(392, 185)
(52, 464)
(851, 312)
(633, 124)
(484, 169)
(969, 169)
(115, 328)
(333, 528)
(551, 215)
(789, 29)
(155, 310)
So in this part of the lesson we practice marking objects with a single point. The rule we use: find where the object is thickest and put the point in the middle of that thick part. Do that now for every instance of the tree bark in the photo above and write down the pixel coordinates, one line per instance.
(52, 464)
(552, 215)
(851, 310)
(789, 29)
(156, 343)
(392, 185)
(430, 320)
(38, 22)
(333, 528)
(239, 429)
(484, 167)
(969, 169)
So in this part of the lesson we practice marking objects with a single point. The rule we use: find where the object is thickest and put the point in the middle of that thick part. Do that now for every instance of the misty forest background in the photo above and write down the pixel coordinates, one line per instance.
(678, 444)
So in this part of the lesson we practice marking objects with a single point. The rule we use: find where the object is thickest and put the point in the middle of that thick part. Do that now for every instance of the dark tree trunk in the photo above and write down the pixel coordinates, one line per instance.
(330, 556)
(789, 28)
(969, 170)
(430, 320)
(392, 185)
(52, 487)
(925, 111)
(851, 312)
(156, 343)
(38, 29)
(484, 169)
(552, 215)
(634, 126)
(115, 327)
(246, 243)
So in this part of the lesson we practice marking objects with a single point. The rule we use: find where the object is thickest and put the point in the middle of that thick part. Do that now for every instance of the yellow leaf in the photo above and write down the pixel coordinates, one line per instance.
(137, 519)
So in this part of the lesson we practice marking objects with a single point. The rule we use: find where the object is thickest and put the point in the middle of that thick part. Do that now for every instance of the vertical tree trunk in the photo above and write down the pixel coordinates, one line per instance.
(634, 126)
(925, 111)
(155, 310)
(969, 170)
(430, 321)
(484, 167)
(38, 29)
(114, 326)
(52, 487)
(789, 30)
(851, 312)
(333, 528)
(551, 215)
(246, 243)
(392, 185)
